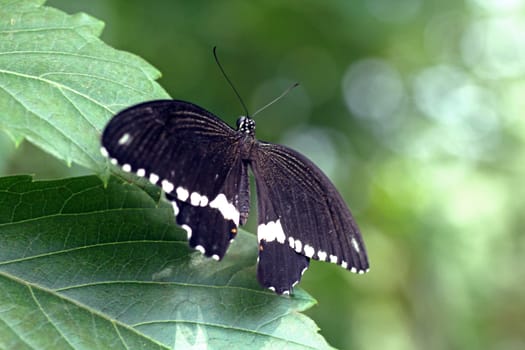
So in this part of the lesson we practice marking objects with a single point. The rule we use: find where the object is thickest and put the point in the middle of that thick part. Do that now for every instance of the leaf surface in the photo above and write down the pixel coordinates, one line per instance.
(83, 265)
(60, 84)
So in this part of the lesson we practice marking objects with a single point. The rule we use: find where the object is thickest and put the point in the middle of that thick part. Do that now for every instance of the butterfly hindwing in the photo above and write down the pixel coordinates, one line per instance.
(193, 156)
(279, 267)
(308, 216)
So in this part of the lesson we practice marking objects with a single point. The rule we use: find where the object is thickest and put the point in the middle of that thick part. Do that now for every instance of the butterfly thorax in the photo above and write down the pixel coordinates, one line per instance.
(246, 125)
(246, 130)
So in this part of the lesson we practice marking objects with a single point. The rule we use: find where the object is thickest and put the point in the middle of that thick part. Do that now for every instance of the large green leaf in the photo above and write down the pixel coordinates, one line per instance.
(88, 266)
(59, 83)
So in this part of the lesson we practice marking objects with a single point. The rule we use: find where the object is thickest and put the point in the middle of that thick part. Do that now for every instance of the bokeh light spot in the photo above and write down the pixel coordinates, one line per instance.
(466, 113)
(494, 48)
(499, 5)
(372, 89)
(393, 11)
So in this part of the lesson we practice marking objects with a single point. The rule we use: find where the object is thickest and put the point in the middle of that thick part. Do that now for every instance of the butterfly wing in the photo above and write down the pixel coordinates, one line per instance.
(301, 216)
(193, 156)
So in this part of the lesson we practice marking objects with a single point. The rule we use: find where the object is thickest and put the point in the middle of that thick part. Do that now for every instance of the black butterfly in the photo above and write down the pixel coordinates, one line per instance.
(201, 163)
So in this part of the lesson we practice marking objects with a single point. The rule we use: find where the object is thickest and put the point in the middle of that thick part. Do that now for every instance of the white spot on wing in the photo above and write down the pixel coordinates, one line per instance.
(333, 259)
(126, 168)
(361, 272)
(286, 292)
(309, 250)
(153, 178)
(344, 264)
(104, 152)
(167, 186)
(113, 161)
(215, 257)
(304, 270)
(298, 246)
(175, 208)
(272, 289)
(125, 139)
(200, 249)
(353, 270)
(204, 201)
(355, 244)
(321, 255)
(271, 231)
(228, 210)
(182, 194)
(141, 172)
(188, 231)
(196, 199)
(291, 242)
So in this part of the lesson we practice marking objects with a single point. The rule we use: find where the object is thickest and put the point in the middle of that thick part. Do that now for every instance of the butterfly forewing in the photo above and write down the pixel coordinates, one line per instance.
(307, 216)
(193, 156)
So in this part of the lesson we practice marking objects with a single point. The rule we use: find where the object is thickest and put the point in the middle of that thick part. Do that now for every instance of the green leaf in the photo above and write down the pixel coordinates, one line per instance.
(83, 265)
(59, 83)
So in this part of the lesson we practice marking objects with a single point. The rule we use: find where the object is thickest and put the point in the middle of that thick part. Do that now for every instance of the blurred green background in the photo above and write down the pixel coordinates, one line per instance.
(412, 107)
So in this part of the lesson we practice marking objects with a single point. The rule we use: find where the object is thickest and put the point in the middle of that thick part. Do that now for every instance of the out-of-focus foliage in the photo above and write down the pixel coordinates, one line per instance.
(412, 107)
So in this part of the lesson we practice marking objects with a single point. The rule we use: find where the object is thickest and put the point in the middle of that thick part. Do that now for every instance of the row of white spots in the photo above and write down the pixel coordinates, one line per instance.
(271, 231)
(197, 199)
(114, 161)
(105, 153)
(287, 292)
(309, 251)
(227, 209)
(167, 186)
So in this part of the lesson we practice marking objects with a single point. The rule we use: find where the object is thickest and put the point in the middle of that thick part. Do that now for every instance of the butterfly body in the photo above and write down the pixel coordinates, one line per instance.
(202, 164)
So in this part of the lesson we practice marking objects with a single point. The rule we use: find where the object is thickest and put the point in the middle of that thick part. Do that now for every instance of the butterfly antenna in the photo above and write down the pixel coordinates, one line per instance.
(294, 85)
(229, 81)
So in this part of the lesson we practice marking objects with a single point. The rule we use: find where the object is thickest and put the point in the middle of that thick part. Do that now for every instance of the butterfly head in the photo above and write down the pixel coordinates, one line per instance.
(246, 125)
